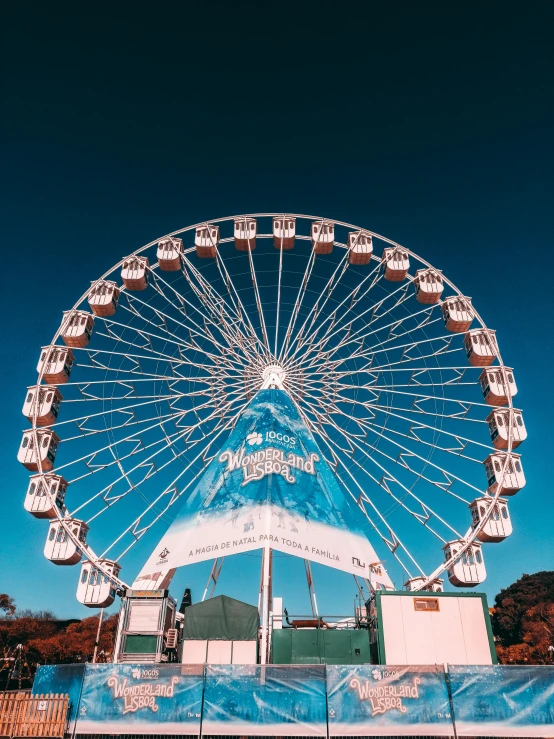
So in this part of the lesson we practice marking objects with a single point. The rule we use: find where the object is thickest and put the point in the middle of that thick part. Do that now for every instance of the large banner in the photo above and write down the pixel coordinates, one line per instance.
(141, 699)
(501, 700)
(277, 700)
(268, 487)
(384, 700)
(61, 679)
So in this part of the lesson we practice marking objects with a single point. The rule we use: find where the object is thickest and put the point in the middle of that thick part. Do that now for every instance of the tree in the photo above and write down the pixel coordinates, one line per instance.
(7, 604)
(511, 619)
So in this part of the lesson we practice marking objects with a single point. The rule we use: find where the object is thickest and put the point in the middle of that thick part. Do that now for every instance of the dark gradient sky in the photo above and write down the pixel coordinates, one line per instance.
(428, 122)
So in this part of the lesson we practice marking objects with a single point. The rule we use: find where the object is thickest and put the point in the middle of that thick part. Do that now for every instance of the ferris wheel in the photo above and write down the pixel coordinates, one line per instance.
(390, 367)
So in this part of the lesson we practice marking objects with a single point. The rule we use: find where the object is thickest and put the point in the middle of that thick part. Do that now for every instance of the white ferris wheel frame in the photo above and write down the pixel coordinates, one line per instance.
(392, 545)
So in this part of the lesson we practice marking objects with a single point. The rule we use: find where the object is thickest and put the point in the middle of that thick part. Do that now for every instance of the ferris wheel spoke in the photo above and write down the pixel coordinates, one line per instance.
(402, 458)
(359, 339)
(198, 332)
(375, 316)
(174, 340)
(133, 438)
(388, 480)
(357, 293)
(297, 305)
(278, 299)
(316, 308)
(370, 352)
(224, 322)
(239, 308)
(391, 540)
(212, 302)
(258, 301)
(138, 527)
(377, 390)
(105, 493)
(445, 484)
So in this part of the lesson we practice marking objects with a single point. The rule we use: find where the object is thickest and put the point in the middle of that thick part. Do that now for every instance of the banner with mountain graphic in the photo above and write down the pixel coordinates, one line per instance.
(268, 487)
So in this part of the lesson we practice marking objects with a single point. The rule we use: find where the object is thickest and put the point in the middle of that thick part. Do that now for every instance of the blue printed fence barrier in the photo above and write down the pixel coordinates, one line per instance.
(275, 700)
(383, 700)
(141, 699)
(305, 700)
(502, 700)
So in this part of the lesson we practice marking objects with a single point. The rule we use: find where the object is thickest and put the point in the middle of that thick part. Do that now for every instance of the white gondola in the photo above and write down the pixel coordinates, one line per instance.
(45, 495)
(468, 569)
(56, 361)
(457, 314)
(170, 251)
(323, 236)
(45, 402)
(500, 421)
(77, 326)
(245, 234)
(284, 231)
(206, 241)
(134, 273)
(416, 583)
(481, 348)
(103, 297)
(360, 247)
(499, 523)
(397, 263)
(514, 477)
(60, 548)
(47, 447)
(498, 385)
(96, 589)
(428, 285)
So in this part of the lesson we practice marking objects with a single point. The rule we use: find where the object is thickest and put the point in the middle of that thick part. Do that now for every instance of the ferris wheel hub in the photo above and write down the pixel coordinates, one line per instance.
(273, 376)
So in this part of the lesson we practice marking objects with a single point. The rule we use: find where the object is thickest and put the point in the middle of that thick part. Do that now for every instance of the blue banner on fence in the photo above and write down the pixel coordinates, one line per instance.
(502, 700)
(387, 701)
(277, 700)
(61, 679)
(141, 699)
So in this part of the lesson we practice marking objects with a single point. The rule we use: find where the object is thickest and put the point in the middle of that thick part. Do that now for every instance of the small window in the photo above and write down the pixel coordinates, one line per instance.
(475, 340)
(497, 465)
(499, 421)
(426, 604)
(479, 557)
(510, 378)
(29, 397)
(518, 466)
(43, 356)
(504, 512)
(84, 576)
(519, 421)
(32, 489)
(25, 442)
(52, 534)
(45, 442)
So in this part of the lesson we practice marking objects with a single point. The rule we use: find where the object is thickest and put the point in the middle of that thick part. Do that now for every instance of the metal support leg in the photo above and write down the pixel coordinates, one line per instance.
(265, 603)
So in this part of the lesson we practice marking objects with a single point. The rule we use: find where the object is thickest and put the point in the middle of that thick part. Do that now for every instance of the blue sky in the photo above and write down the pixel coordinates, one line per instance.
(429, 124)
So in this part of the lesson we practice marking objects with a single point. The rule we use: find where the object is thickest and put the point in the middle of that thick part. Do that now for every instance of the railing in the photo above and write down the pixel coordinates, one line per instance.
(308, 621)
(26, 715)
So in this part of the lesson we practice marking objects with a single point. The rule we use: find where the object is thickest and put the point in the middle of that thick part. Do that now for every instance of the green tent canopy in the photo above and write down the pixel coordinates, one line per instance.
(221, 618)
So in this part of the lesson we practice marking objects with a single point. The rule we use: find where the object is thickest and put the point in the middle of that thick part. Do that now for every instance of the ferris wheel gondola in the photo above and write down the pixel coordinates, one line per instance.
(389, 366)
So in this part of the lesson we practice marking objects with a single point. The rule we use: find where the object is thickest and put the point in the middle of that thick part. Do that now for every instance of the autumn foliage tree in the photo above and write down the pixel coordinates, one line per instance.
(48, 640)
(523, 620)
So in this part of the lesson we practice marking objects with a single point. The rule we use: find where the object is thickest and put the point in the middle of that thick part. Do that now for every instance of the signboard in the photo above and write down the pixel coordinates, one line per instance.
(61, 680)
(385, 700)
(268, 487)
(141, 699)
(503, 700)
(276, 700)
